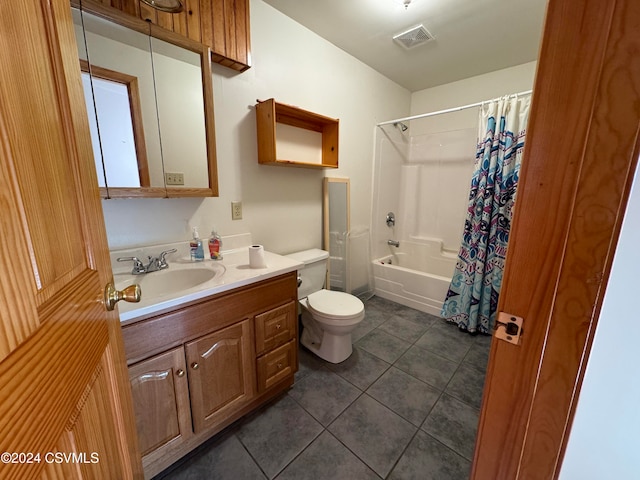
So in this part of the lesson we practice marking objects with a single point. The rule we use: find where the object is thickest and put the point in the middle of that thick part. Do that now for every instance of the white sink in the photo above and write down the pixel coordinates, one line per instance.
(170, 281)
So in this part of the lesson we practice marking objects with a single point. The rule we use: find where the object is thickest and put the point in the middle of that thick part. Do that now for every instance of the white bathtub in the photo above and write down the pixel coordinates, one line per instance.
(417, 274)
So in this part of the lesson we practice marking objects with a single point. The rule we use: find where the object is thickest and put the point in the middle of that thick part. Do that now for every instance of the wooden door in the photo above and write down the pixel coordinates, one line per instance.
(65, 401)
(161, 404)
(582, 149)
(221, 369)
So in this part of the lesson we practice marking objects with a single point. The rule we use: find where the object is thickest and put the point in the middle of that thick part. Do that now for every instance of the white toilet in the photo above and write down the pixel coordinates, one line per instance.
(328, 317)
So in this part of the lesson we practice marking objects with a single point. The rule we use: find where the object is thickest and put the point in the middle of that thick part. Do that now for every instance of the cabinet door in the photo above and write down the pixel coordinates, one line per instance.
(221, 374)
(161, 403)
(225, 28)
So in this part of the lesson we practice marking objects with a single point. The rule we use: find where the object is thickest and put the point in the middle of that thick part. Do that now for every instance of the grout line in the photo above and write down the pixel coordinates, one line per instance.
(388, 314)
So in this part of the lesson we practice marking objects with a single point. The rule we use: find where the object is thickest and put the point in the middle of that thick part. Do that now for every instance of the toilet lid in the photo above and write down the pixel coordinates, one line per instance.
(337, 304)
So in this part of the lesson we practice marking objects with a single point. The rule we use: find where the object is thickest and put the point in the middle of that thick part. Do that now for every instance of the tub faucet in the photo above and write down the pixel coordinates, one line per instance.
(393, 243)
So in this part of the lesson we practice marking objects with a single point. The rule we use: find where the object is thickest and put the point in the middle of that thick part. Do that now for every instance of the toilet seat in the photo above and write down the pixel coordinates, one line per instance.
(336, 306)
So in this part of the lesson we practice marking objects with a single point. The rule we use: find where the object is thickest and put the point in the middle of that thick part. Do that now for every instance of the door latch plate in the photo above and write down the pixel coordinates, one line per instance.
(508, 328)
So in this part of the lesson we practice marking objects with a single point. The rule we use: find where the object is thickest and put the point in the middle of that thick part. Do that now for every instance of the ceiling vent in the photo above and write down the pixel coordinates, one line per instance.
(413, 37)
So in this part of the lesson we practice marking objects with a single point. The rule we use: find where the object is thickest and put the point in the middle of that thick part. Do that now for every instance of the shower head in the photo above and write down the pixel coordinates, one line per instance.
(401, 126)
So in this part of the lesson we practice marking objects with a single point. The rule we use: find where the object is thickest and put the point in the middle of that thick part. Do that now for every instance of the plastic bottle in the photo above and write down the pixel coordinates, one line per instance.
(215, 244)
(195, 246)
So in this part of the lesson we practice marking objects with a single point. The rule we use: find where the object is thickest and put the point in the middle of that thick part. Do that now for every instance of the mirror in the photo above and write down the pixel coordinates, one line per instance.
(150, 103)
(336, 219)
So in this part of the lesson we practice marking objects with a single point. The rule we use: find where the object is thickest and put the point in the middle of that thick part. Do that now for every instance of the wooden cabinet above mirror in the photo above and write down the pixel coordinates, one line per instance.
(163, 143)
(223, 25)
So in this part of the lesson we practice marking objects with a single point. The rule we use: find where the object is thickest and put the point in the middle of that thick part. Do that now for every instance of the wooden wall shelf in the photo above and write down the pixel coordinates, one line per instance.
(270, 112)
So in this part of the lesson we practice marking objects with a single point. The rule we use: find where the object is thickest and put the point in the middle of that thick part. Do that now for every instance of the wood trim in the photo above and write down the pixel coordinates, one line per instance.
(126, 192)
(135, 109)
(572, 194)
(210, 121)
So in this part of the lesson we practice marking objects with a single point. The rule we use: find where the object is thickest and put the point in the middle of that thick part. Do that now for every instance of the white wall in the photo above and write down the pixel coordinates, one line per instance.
(605, 435)
(464, 92)
(282, 207)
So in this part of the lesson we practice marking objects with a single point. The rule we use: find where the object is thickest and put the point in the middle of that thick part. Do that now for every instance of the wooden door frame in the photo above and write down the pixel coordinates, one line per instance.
(581, 153)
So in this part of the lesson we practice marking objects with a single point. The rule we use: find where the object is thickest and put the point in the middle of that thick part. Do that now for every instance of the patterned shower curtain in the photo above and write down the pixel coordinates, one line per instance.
(472, 298)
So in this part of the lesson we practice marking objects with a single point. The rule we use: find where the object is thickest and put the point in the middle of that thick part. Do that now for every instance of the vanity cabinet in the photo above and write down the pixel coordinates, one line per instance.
(222, 25)
(197, 369)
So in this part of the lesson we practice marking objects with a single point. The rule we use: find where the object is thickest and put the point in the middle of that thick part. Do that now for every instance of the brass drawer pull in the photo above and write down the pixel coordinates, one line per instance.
(180, 373)
(195, 365)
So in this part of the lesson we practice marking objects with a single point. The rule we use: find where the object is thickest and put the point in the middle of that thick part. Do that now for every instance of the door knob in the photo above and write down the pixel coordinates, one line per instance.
(132, 293)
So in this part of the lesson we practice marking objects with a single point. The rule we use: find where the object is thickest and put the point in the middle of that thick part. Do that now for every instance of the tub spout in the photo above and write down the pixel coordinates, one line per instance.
(393, 243)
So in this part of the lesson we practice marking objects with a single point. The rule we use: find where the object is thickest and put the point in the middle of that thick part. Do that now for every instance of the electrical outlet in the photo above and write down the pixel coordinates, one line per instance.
(174, 178)
(236, 210)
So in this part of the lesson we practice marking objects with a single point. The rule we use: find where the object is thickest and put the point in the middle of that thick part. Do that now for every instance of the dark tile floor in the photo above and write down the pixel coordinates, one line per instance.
(405, 405)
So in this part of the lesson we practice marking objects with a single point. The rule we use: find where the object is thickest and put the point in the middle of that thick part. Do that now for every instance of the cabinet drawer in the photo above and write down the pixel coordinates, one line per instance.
(275, 327)
(276, 365)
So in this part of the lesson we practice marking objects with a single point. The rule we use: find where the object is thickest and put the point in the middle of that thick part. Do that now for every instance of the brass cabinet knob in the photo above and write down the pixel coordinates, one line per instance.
(279, 366)
(132, 293)
(180, 373)
(195, 365)
(278, 326)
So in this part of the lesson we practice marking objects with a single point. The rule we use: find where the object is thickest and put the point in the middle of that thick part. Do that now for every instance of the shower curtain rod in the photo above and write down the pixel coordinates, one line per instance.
(448, 110)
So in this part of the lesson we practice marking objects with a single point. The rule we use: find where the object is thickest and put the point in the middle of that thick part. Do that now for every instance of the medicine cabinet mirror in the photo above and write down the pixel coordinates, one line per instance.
(336, 218)
(149, 100)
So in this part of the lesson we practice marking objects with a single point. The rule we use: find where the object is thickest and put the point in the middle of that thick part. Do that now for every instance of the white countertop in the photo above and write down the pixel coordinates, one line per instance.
(231, 272)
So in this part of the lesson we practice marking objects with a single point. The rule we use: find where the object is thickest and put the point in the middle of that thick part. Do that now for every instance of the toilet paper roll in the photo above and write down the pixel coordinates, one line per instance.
(256, 256)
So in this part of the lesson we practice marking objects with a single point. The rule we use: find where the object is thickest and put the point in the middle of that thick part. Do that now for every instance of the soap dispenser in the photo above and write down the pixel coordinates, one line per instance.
(195, 247)
(215, 244)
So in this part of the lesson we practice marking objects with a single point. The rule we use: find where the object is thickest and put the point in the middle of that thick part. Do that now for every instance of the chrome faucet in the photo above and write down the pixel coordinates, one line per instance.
(155, 263)
(393, 243)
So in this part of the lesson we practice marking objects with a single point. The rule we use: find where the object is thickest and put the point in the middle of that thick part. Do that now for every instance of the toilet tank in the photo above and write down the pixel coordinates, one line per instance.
(314, 272)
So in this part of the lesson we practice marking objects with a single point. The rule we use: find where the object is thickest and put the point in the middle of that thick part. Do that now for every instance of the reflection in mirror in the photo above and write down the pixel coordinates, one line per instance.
(178, 82)
(88, 97)
(164, 144)
(116, 52)
(113, 103)
(336, 216)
